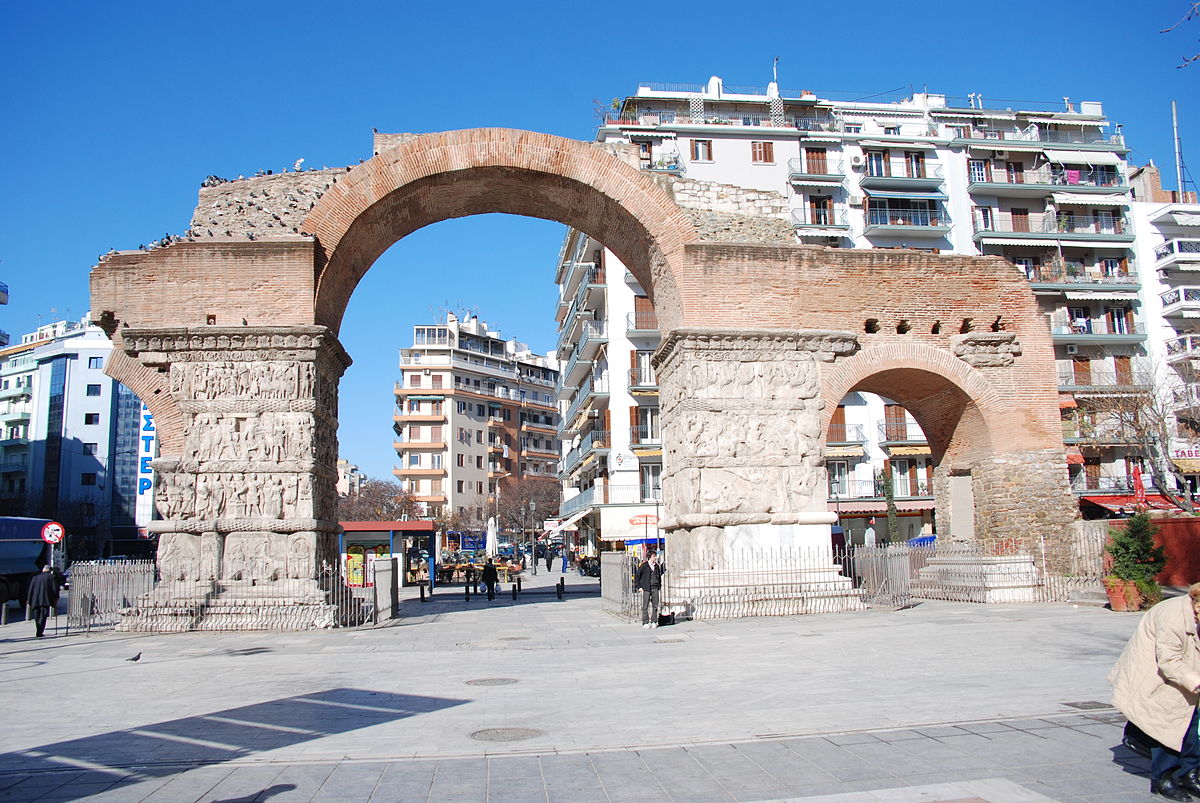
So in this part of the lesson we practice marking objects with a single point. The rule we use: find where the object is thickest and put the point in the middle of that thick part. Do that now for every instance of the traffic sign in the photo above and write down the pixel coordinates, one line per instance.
(53, 532)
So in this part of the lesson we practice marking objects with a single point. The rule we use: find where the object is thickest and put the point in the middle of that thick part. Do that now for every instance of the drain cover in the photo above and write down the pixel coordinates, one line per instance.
(505, 734)
(491, 681)
(1088, 705)
(514, 638)
(669, 640)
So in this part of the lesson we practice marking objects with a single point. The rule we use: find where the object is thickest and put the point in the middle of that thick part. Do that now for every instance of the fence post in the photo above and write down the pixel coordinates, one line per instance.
(514, 591)
(559, 587)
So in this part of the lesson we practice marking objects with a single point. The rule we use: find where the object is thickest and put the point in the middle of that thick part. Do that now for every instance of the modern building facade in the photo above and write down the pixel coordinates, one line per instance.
(1046, 190)
(77, 444)
(475, 415)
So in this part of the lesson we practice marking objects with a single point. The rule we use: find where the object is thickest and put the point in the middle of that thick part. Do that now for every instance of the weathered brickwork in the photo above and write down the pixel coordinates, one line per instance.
(958, 340)
(262, 206)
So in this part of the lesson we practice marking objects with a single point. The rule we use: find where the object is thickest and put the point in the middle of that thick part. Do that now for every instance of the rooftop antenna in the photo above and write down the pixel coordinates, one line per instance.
(1178, 153)
(775, 70)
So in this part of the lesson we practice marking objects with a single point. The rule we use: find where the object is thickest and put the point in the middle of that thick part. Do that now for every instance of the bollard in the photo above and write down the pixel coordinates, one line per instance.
(518, 584)
(514, 590)
(4, 614)
(467, 588)
(422, 592)
(559, 588)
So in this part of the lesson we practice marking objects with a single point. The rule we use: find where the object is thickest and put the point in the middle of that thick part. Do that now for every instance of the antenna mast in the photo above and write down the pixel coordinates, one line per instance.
(1178, 156)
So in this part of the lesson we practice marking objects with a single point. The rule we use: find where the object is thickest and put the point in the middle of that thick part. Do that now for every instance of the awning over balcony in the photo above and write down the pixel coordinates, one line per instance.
(912, 195)
(995, 240)
(1090, 295)
(911, 144)
(1082, 157)
(427, 398)
(843, 451)
(566, 524)
(1080, 199)
(1075, 458)
(1187, 466)
(1008, 145)
(909, 450)
(1129, 502)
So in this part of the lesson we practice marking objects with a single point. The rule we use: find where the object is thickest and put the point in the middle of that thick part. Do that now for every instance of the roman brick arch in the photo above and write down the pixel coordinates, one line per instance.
(960, 412)
(454, 174)
(152, 388)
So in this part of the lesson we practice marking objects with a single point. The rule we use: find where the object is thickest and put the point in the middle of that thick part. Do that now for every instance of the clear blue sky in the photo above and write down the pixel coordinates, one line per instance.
(113, 113)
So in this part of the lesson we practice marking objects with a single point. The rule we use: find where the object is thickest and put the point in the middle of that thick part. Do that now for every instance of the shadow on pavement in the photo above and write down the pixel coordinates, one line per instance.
(168, 748)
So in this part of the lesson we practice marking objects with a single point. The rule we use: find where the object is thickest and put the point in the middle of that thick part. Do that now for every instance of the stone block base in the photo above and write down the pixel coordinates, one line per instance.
(978, 578)
(230, 605)
(729, 594)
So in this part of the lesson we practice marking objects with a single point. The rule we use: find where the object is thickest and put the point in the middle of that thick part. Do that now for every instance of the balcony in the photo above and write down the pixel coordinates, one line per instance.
(13, 416)
(1077, 273)
(1048, 227)
(645, 436)
(417, 471)
(923, 176)
(4, 334)
(819, 218)
(1038, 182)
(15, 391)
(900, 432)
(1181, 302)
(404, 445)
(1102, 382)
(845, 434)
(1182, 348)
(1180, 254)
(846, 489)
(597, 387)
(1064, 329)
(643, 323)
(610, 495)
(3, 293)
(13, 467)
(544, 429)
(642, 380)
(996, 139)
(815, 171)
(595, 441)
(400, 416)
(907, 221)
(16, 441)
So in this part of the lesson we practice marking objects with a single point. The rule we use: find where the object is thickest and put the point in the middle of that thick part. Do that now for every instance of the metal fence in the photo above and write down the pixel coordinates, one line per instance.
(100, 590)
(128, 594)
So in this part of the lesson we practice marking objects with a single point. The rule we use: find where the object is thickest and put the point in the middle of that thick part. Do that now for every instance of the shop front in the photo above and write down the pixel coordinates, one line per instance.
(410, 542)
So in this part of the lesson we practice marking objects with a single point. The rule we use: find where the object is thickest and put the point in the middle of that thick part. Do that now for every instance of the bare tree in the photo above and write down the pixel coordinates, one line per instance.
(1193, 12)
(513, 511)
(1146, 418)
(378, 500)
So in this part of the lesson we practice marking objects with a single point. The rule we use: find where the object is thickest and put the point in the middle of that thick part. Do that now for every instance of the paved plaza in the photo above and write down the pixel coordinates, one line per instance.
(556, 700)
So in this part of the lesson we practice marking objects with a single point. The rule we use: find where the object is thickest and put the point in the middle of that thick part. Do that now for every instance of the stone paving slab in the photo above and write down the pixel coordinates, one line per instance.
(945, 699)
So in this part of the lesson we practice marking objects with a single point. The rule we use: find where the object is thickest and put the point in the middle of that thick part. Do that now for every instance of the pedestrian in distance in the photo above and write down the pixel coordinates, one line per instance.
(1156, 685)
(549, 559)
(649, 581)
(490, 577)
(43, 598)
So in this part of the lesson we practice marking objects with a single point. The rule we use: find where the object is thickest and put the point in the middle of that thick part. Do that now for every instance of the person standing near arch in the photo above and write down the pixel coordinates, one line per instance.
(43, 598)
(490, 576)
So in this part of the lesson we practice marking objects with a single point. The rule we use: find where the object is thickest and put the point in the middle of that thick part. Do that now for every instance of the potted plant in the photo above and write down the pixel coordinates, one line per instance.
(1134, 561)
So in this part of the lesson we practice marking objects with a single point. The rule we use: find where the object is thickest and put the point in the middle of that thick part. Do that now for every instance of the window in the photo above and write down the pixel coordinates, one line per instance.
(91, 418)
(414, 460)
(980, 170)
(892, 130)
(1015, 172)
(479, 461)
(459, 488)
(817, 160)
(414, 432)
(93, 390)
(87, 479)
(87, 509)
(462, 408)
(507, 414)
(914, 162)
(702, 150)
(436, 381)
(1120, 320)
(1020, 219)
(983, 216)
(839, 477)
(479, 436)
(762, 152)
(435, 487)
(853, 128)
(479, 410)
(414, 380)
(435, 461)
(820, 208)
(877, 163)
(90, 448)
(462, 459)
(95, 363)
(652, 481)
(414, 406)
(479, 487)
(1111, 267)
(435, 433)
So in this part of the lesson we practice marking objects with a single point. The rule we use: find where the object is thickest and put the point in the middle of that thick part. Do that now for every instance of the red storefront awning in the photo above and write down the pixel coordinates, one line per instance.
(1129, 502)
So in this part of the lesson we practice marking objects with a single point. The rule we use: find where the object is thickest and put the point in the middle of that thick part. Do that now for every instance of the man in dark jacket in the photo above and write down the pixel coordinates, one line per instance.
(490, 576)
(649, 581)
(43, 598)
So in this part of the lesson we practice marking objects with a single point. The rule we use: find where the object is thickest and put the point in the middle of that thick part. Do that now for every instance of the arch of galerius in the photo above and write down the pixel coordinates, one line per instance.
(230, 337)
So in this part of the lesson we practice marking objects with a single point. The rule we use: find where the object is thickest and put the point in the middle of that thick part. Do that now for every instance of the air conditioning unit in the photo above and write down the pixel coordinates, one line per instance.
(427, 372)
(1001, 155)
(857, 161)
(1072, 348)
(856, 200)
(593, 413)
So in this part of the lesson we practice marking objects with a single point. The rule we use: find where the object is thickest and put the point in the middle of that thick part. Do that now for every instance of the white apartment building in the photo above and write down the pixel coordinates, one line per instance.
(475, 414)
(77, 445)
(1047, 190)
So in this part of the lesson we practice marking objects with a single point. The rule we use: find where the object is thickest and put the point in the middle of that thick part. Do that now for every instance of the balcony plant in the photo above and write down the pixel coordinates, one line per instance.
(1134, 561)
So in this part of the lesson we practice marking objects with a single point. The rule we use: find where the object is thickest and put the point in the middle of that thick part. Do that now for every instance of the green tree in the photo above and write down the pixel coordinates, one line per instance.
(1135, 556)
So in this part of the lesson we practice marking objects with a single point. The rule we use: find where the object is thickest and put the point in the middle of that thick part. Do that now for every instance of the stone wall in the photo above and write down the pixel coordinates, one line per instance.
(727, 227)
(262, 206)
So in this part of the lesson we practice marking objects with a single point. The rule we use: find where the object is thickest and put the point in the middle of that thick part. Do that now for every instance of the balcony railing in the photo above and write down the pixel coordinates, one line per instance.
(846, 489)
(922, 171)
(1078, 273)
(1188, 249)
(820, 169)
(610, 495)
(644, 435)
(641, 322)
(642, 378)
(1081, 483)
(1102, 379)
(818, 217)
(1049, 223)
(852, 433)
(888, 216)
(1184, 346)
(1080, 137)
(582, 396)
(900, 431)
(1180, 299)
(596, 439)
(1062, 325)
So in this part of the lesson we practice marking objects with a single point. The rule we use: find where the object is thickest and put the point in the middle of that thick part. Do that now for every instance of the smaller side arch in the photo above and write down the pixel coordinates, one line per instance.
(152, 388)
